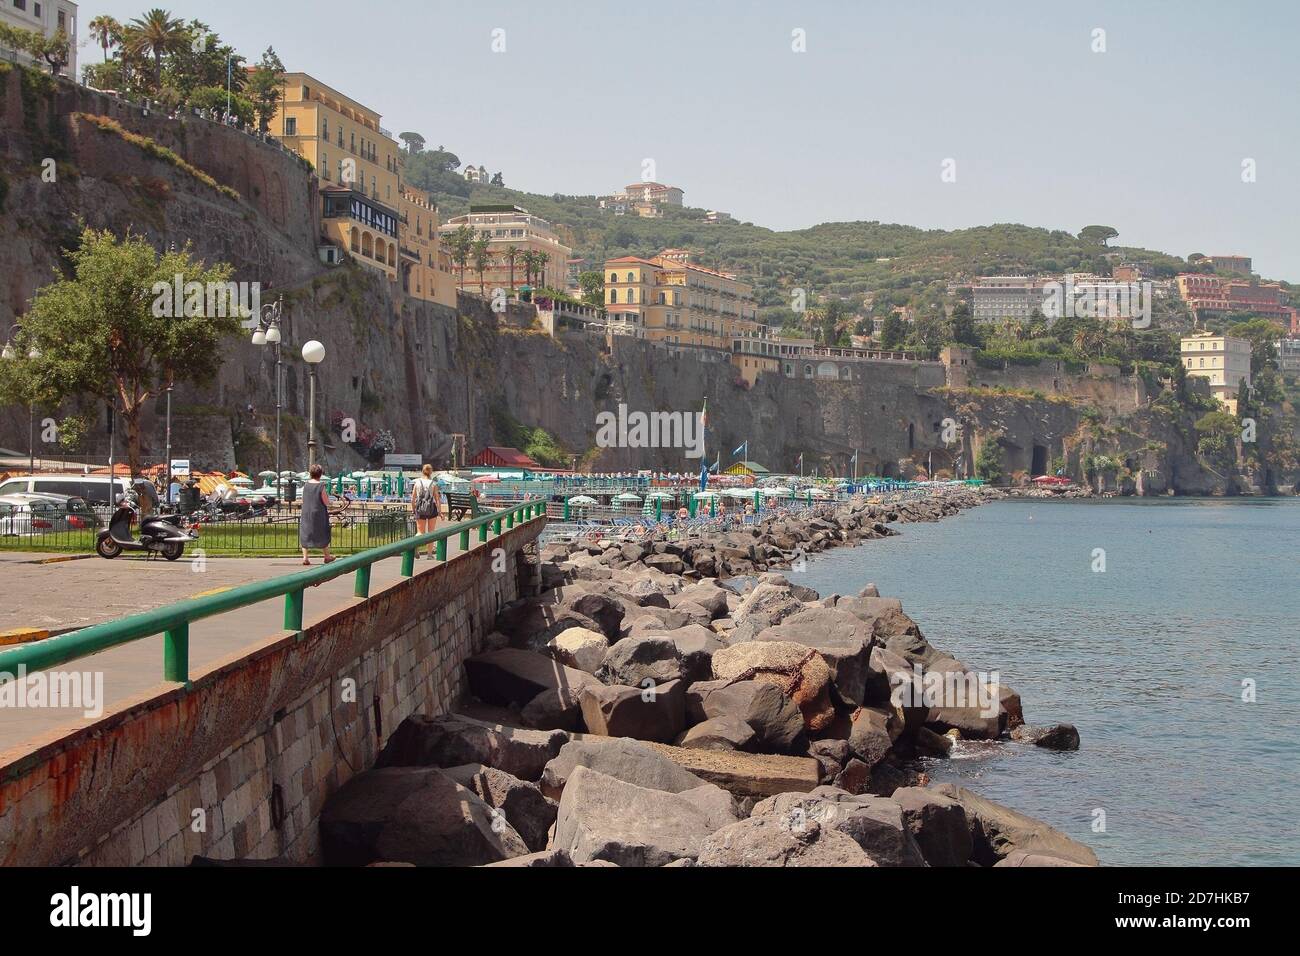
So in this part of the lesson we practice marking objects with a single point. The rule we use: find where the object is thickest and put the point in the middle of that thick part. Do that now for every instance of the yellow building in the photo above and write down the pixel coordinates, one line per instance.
(1222, 360)
(510, 227)
(425, 265)
(672, 300)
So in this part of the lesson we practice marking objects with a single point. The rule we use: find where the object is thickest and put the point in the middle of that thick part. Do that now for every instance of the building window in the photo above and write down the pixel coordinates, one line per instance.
(290, 126)
(325, 129)
(613, 297)
(630, 277)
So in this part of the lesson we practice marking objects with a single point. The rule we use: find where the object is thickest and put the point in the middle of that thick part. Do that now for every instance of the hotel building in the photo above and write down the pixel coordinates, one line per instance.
(1210, 296)
(671, 300)
(506, 226)
(1006, 297)
(1222, 360)
(367, 211)
(46, 17)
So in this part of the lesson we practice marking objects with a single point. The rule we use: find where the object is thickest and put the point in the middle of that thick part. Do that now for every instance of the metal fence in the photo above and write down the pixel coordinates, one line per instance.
(254, 532)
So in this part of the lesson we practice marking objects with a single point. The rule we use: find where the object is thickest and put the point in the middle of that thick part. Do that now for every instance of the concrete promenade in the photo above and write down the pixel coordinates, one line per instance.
(75, 594)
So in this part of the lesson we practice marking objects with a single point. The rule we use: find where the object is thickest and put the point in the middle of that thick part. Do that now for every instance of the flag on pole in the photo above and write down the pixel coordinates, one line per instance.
(704, 476)
(743, 448)
(704, 415)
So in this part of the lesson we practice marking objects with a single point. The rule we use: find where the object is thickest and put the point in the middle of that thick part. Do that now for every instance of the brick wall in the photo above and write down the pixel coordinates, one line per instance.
(241, 763)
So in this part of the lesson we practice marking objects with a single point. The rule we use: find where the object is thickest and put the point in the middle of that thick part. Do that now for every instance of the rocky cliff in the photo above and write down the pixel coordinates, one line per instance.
(418, 373)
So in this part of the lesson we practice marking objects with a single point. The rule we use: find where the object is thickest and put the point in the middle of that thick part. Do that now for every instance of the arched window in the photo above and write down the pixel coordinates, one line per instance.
(392, 255)
(613, 297)
(613, 277)
(631, 295)
(631, 277)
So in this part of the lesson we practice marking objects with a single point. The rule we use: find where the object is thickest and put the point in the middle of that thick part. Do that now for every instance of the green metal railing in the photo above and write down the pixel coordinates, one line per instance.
(173, 621)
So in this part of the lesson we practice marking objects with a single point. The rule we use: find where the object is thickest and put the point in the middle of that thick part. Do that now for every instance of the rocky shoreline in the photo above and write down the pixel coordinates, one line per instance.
(682, 703)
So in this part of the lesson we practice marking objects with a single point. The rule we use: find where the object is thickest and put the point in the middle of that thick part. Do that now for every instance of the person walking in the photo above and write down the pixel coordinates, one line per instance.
(424, 504)
(314, 522)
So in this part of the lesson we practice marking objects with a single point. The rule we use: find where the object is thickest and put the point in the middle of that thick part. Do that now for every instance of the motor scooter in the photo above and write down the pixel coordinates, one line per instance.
(159, 534)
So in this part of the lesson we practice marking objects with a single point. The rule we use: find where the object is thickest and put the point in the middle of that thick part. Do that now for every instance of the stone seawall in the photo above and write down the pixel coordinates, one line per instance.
(240, 764)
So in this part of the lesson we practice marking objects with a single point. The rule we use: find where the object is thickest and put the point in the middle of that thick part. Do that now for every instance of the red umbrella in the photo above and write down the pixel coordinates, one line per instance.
(486, 480)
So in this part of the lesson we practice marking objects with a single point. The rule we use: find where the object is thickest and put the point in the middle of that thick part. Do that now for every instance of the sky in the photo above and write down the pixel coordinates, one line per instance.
(1149, 126)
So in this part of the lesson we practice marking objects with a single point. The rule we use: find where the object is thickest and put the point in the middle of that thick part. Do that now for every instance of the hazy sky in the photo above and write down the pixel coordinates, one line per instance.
(1148, 136)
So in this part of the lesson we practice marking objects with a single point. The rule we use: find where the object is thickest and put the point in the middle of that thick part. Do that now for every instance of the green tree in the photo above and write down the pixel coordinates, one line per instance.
(105, 334)
(414, 142)
(511, 257)
(266, 87)
(459, 245)
(1097, 235)
(592, 285)
(963, 325)
(105, 31)
(891, 334)
(156, 34)
(479, 251)
(988, 463)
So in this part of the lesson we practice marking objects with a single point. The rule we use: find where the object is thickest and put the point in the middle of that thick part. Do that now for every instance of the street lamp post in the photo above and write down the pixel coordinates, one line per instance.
(268, 333)
(313, 353)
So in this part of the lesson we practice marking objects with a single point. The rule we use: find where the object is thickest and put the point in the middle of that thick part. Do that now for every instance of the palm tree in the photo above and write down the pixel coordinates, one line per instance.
(542, 259)
(530, 263)
(512, 253)
(481, 259)
(459, 244)
(106, 31)
(156, 33)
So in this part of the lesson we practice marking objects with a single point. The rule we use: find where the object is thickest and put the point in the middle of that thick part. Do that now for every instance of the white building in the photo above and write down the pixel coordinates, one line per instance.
(47, 17)
(1006, 297)
(1222, 360)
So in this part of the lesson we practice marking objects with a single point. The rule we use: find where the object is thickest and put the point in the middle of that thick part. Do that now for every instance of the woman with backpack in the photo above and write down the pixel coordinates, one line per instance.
(424, 504)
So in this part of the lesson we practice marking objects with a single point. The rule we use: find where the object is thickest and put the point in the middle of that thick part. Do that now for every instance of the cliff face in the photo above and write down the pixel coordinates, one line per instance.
(424, 373)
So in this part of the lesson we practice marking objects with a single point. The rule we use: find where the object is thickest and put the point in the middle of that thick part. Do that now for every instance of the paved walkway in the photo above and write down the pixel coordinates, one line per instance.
(81, 593)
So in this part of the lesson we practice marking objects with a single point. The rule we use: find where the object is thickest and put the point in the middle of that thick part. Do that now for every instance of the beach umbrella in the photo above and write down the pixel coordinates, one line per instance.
(628, 497)
(706, 495)
(778, 492)
(266, 474)
(486, 480)
(241, 482)
(582, 500)
(661, 494)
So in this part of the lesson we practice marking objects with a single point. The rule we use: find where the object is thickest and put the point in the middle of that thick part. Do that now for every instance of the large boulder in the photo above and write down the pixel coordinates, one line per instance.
(667, 563)
(451, 740)
(648, 592)
(765, 841)
(1060, 737)
(842, 640)
(644, 713)
(626, 759)
(874, 823)
(579, 648)
(746, 775)
(708, 595)
(696, 646)
(526, 809)
(997, 831)
(774, 602)
(414, 815)
(938, 823)
(719, 733)
(604, 818)
(641, 661)
(777, 722)
(547, 690)
(872, 733)
(966, 702)
(799, 672)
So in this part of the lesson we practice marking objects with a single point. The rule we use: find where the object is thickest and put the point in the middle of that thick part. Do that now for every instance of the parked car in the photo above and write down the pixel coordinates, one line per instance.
(95, 489)
(28, 514)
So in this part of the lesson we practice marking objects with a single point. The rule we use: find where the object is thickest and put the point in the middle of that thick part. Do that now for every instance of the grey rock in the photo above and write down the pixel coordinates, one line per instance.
(451, 740)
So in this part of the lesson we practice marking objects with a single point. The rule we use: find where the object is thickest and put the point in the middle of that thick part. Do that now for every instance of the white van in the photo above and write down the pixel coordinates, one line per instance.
(96, 489)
